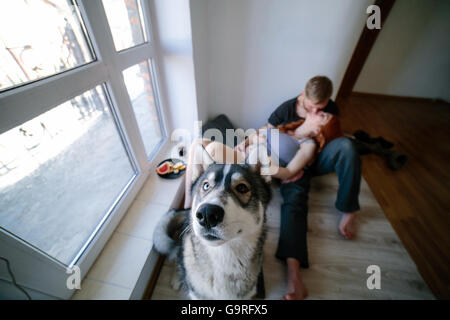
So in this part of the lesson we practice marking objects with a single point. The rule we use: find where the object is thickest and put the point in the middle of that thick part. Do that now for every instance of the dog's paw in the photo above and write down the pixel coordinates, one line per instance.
(175, 283)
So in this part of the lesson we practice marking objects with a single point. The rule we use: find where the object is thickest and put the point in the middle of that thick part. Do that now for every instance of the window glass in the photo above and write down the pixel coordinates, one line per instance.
(139, 85)
(61, 173)
(125, 20)
(39, 39)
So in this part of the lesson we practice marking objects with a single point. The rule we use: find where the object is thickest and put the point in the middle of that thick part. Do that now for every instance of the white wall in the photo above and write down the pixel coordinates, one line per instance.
(199, 18)
(411, 56)
(251, 55)
(172, 30)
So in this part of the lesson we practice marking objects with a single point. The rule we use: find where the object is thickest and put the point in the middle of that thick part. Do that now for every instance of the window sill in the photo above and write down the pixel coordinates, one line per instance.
(125, 264)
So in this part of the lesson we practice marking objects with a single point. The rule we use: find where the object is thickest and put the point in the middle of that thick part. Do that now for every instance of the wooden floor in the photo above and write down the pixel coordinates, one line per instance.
(415, 199)
(338, 267)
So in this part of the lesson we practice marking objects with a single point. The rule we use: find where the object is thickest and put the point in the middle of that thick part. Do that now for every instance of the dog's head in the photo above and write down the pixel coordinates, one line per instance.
(228, 200)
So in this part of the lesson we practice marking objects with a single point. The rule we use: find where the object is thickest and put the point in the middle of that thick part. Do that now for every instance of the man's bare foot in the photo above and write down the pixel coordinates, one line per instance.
(295, 287)
(346, 225)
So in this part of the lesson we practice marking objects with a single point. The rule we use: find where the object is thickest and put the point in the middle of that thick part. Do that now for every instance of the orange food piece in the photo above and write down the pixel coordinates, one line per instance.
(165, 168)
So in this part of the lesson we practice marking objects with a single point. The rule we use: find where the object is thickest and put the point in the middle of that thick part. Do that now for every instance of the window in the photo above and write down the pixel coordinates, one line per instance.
(125, 21)
(80, 122)
(52, 171)
(138, 80)
(32, 48)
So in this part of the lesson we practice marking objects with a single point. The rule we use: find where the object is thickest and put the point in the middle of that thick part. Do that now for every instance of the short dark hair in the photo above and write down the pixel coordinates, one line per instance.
(318, 89)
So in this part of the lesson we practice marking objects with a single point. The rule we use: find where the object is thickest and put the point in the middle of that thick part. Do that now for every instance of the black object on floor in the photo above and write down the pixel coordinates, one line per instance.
(365, 145)
(365, 137)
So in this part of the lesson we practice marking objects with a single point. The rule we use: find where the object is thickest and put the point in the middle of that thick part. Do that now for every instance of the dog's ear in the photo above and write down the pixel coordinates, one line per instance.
(201, 160)
(259, 161)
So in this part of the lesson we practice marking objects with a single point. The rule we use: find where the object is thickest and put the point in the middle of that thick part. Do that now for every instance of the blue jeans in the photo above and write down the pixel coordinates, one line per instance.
(338, 156)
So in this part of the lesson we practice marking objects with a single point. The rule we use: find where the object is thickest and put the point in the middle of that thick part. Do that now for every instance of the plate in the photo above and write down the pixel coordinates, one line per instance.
(171, 175)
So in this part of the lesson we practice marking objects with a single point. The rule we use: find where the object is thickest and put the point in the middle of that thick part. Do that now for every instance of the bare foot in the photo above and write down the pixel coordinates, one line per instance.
(295, 287)
(346, 225)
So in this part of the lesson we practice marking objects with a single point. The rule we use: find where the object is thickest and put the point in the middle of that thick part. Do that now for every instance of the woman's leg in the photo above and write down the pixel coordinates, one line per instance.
(222, 153)
(188, 180)
(219, 152)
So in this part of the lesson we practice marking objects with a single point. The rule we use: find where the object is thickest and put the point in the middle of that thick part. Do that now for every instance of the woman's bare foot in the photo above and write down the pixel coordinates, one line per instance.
(346, 225)
(295, 287)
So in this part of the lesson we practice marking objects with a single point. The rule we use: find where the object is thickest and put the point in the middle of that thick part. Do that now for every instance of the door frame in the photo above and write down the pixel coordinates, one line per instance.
(362, 51)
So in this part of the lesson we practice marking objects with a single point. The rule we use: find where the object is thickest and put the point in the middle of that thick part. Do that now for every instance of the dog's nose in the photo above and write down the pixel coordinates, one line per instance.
(210, 215)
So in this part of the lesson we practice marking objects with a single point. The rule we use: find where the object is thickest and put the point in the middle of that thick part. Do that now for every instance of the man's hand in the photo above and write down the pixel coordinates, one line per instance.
(291, 132)
(294, 178)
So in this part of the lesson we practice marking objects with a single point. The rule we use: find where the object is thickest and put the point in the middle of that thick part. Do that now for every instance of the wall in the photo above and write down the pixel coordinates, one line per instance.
(251, 55)
(199, 25)
(171, 23)
(411, 56)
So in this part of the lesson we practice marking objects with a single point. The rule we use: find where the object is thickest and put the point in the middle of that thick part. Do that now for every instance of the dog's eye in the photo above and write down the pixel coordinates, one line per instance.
(206, 186)
(242, 188)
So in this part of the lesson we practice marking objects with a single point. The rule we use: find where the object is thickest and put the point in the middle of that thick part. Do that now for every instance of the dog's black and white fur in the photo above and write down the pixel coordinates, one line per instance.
(220, 240)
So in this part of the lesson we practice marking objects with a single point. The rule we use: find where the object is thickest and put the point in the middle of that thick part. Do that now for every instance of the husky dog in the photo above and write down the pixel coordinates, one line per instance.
(219, 241)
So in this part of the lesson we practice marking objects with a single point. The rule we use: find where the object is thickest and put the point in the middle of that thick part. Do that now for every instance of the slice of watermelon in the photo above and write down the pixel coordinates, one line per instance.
(164, 168)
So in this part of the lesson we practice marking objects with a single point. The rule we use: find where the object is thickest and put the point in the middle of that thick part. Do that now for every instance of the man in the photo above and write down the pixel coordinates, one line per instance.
(338, 155)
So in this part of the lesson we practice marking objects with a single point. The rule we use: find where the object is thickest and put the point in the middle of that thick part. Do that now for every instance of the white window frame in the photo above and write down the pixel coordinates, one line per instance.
(32, 268)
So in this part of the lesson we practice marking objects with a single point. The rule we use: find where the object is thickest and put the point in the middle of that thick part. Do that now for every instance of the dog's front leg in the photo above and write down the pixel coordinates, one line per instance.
(175, 280)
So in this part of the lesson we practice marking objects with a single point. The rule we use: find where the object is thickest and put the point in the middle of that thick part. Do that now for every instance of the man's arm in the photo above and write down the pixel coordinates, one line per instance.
(303, 157)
